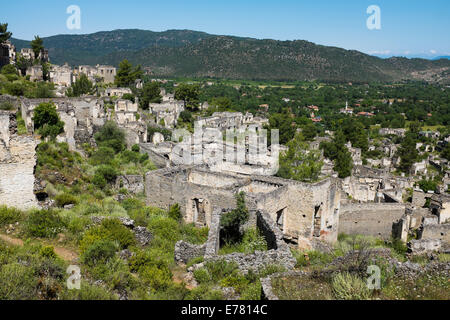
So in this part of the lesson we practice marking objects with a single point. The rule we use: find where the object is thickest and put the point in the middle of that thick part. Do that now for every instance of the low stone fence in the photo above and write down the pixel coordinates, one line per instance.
(133, 183)
(279, 253)
(185, 251)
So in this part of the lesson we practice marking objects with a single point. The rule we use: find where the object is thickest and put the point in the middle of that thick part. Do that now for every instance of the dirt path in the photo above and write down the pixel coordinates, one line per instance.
(10, 240)
(65, 254)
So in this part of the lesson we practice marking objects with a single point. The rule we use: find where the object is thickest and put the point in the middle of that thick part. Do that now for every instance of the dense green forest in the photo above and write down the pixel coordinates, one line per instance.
(197, 54)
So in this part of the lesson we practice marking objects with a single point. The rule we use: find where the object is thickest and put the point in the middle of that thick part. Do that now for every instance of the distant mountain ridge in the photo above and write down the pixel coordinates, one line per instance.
(189, 53)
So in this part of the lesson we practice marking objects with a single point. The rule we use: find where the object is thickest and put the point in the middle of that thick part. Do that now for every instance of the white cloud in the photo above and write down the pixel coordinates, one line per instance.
(380, 52)
(433, 51)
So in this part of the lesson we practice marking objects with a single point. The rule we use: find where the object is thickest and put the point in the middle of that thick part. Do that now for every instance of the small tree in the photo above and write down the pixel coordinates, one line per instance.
(80, 87)
(299, 162)
(343, 164)
(127, 75)
(151, 93)
(232, 221)
(408, 153)
(189, 94)
(46, 120)
(4, 34)
(37, 45)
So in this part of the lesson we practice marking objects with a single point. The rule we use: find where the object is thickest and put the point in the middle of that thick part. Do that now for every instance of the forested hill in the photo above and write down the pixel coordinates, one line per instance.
(197, 54)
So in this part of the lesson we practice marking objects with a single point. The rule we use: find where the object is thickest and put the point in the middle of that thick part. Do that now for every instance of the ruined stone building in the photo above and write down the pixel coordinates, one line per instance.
(35, 73)
(230, 120)
(28, 54)
(116, 92)
(107, 73)
(373, 185)
(303, 212)
(7, 53)
(17, 162)
(62, 75)
(81, 116)
(126, 115)
(168, 111)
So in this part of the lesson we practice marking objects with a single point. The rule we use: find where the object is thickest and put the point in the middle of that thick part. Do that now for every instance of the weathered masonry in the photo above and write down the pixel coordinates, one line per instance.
(17, 162)
(302, 211)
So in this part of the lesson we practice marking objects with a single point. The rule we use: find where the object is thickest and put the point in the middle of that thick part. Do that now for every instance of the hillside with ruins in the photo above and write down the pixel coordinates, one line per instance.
(120, 184)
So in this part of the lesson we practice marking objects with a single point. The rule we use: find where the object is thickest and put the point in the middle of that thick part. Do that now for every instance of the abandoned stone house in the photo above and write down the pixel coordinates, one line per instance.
(28, 54)
(373, 185)
(17, 162)
(390, 131)
(302, 211)
(168, 111)
(126, 115)
(116, 92)
(7, 53)
(81, 117)
(107, 73)
(35, 73)
(61, 75)
(230, 120)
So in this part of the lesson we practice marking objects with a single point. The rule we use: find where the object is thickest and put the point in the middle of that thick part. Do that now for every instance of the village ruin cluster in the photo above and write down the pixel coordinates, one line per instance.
(192, 170)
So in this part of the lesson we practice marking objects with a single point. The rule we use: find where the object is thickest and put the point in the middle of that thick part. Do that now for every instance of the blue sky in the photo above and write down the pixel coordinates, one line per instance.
(408, 27)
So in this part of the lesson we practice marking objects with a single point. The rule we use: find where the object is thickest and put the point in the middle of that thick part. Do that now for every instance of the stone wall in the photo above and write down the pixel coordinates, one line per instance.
(374, 219)
(185, 251)
(133, 183)
(436, 231)
(17, 162)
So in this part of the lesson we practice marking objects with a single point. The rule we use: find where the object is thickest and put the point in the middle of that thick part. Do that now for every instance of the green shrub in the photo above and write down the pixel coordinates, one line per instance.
(48, 252)
(46, 120)
(252, 291)
(99, 181)
(44, 223)
(107, 172)
(347, 286)
(6, 106)
(136, 148)
(202, 275)
(314, 258)
(88, 292)
(205, 292)
(17, 282)
(110, 135)
(99, 252)
(110, 229)
(9, 215)
(64, 199)
(157, 277)
(175, 213)
(103, 155)
(232, 221)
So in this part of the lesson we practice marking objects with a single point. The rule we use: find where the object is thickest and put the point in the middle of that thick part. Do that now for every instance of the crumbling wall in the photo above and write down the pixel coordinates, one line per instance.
(436, 231)
(185, 251)
(374, 219)
(166, 187)
(17, 162)
(133, 183)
